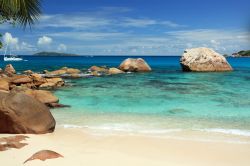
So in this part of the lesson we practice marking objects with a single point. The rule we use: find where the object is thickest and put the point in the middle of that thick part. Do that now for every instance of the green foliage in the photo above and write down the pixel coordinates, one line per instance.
(244, 53)
(22, 12)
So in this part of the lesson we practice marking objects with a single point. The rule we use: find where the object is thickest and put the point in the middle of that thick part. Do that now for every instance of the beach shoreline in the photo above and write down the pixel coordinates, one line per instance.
(80, 147)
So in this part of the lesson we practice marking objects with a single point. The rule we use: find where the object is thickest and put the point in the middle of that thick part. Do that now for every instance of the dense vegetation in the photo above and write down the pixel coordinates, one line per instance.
(244, 53)
(20, 12)
(53, 54)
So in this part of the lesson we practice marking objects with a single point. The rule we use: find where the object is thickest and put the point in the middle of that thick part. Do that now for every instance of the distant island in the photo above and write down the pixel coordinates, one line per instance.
(45, 53)
(243, 53)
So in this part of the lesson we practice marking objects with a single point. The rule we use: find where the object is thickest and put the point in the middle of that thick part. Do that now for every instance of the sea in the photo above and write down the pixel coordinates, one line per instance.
(165, 103)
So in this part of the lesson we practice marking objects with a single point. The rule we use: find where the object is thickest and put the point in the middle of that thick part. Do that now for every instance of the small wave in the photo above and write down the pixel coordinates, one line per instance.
(124, 128)
(238, 132)
(71, 126)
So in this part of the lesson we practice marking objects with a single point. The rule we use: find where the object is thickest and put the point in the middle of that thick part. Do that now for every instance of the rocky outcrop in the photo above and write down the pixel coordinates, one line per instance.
(21, 114)
(28, 72)
(71, 70)
(98, 69)
(52, 82)
(43, 96)
(114, 70)
(9, 70)
(203, 60)
(4, 85)
(20, 79)
(134, 65)
(62, 71)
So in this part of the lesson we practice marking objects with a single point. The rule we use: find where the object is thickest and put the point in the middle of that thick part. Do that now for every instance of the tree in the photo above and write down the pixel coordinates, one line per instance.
(20, 12)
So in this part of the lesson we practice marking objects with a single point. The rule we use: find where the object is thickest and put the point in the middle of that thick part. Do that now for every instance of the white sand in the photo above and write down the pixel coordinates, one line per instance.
(83, 149)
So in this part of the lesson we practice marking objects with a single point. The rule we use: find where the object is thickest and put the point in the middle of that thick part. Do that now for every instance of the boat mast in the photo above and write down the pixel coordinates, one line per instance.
(6, 48)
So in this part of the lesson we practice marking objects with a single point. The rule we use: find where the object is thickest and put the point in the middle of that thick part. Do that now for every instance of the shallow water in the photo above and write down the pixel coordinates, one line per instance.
(163, 101)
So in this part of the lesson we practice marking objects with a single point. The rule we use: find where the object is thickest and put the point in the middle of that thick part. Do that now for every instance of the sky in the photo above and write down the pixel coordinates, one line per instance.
(134, 27)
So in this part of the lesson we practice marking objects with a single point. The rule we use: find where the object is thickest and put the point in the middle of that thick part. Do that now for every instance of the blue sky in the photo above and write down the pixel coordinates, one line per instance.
(135, 27)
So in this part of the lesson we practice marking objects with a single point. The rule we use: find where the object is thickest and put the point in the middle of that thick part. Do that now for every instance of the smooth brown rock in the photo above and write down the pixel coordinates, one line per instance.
(203, 60)
(9, 70)
(62, 71)
(115, 71)
(52, 82)
(134, 65)
(20, 114)
(38, 79)
(20, 79)
(4, 84)
(43, 96)
(98, 69)
(44, 155)
(28, 72)
(57, 72)
(71, 70)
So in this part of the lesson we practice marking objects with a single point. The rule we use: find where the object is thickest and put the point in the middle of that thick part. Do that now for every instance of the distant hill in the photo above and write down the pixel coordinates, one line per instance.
(44, 53)
(244, 53)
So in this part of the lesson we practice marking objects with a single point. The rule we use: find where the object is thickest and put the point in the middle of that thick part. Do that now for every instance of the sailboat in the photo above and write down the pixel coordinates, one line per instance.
(11, 57)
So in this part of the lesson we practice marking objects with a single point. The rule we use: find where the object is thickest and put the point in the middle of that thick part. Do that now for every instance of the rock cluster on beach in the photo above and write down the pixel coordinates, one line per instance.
(204, 60)
(25, 98)
(30, 85)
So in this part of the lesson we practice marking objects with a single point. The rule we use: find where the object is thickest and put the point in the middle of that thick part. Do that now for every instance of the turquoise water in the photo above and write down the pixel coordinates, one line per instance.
(163, 101)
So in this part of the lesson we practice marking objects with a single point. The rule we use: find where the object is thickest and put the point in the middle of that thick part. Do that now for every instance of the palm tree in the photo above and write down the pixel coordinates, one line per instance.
(21, 12)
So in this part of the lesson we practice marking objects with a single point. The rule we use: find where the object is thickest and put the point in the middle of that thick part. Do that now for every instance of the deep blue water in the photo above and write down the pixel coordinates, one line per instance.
(163, 100)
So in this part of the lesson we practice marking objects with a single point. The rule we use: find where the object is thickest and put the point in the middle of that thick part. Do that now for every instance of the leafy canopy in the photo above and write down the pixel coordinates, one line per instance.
(20, 12)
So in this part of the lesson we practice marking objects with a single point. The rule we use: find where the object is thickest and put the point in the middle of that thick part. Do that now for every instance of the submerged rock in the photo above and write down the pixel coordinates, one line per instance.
(21, 114)
(134, 65)
(203, 59)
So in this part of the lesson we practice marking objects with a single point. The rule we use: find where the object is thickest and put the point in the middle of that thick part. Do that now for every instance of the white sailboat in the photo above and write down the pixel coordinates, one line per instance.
(11, 57)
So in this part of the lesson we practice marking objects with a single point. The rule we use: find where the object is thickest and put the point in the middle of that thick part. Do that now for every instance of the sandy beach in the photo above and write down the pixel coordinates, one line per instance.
(79, 147)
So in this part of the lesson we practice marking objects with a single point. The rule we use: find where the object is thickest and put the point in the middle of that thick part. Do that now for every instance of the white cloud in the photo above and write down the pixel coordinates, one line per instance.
(27, 47)
(89, 36)
(75, 21)
(10, 40)
(62, 47)
(100, 20)
(132, 22)
(44, 41)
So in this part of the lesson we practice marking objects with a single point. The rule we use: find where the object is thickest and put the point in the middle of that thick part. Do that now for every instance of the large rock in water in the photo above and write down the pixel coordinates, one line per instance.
(203, 60)
(21, 114)
(134, 65)
(9, 70)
